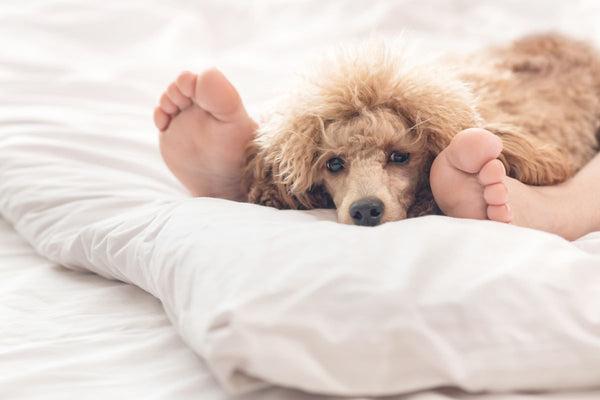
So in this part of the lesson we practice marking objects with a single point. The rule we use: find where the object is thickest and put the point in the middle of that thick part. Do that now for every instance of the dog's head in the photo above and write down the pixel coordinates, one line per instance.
(360, 136)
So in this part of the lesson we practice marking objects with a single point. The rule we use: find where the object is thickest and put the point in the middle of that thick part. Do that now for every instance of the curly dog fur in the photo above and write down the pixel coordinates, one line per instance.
(540, 95)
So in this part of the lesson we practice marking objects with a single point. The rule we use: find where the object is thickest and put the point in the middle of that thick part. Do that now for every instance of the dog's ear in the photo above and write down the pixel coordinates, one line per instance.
(258, 182)
(282, 165)
(435, 106)
(529, 159)
(424, 203)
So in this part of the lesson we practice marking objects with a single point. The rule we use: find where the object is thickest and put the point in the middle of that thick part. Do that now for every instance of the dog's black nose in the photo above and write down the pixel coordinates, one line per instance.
(367, 211)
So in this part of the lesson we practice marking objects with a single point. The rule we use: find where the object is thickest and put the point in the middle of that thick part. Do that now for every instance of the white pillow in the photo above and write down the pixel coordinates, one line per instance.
(292, 298)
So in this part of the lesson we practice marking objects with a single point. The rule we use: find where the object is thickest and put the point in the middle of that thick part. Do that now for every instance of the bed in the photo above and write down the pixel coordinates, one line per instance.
(82, 186)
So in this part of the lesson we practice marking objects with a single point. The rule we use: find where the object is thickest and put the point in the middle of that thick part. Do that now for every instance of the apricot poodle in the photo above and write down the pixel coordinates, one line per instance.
(361, 134)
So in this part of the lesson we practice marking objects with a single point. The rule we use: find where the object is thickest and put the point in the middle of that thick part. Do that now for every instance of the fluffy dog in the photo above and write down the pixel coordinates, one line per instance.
(362, 134)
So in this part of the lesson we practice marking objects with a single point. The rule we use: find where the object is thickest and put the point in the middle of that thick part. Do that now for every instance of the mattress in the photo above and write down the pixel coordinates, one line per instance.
(74, 68)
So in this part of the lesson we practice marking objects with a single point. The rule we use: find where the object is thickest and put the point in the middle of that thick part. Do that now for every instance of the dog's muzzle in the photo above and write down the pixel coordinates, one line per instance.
(367, 211)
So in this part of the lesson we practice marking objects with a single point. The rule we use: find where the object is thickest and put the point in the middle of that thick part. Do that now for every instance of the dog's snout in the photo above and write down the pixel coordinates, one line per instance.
(367, 211)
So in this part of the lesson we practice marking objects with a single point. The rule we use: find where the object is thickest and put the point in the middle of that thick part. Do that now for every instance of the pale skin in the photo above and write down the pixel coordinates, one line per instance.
(204, 129)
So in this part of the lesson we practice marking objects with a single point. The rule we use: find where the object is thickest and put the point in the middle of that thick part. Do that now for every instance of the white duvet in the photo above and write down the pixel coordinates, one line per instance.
(279, 298)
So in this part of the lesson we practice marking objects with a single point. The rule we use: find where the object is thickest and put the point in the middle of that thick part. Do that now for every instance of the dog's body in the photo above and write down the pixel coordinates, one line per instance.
(547, 90)
(368, 128)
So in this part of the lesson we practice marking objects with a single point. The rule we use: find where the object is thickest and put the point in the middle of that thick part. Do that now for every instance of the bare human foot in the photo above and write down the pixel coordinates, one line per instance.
(204, 129)
(468, 181)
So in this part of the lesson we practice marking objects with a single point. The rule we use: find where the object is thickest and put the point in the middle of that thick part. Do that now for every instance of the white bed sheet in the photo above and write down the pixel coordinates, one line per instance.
(66, 334)
(97, 67)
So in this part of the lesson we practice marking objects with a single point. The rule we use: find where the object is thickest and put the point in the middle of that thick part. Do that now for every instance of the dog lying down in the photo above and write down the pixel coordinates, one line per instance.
(361, 135)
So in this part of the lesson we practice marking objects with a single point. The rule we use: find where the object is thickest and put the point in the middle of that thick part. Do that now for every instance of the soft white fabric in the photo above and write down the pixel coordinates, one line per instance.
(66, 335)
(266, 297)
(292, 299)
(73, 335)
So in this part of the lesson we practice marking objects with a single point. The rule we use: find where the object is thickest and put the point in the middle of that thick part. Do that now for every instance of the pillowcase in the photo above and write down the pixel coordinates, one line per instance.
(292, 298)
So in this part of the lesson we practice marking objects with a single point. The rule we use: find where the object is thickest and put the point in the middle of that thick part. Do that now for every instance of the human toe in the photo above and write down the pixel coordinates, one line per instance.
(500, 213)
(492, 172)
(186, 83)
(161, 119)
(495, 194)
(472, 148)
(215, 94)
(167, 105)
(178, 98)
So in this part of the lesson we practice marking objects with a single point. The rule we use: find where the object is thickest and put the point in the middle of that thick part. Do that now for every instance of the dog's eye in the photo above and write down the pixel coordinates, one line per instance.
(335, 164)
(399, 158)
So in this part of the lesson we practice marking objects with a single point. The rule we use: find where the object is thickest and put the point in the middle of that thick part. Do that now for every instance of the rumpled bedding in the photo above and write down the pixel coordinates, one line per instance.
(272, 298)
